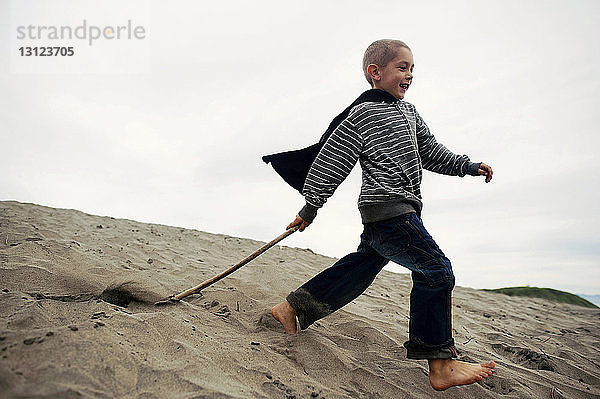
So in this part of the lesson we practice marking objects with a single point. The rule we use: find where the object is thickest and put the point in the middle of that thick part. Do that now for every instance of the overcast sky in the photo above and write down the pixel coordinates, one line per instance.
(171, 128)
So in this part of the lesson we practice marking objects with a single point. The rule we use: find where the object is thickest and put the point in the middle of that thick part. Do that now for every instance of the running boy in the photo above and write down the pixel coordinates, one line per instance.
(393, 145)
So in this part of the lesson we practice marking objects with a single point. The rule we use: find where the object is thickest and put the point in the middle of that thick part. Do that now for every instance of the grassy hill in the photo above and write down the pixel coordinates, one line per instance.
(545, 293)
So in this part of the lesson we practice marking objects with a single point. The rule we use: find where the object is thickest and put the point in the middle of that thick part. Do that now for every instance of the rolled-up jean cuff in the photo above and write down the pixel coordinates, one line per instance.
(308, 308)
(447, 352)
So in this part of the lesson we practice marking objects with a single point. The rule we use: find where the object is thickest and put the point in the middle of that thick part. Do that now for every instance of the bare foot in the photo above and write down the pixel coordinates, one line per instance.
(286, 315)
(446, 373)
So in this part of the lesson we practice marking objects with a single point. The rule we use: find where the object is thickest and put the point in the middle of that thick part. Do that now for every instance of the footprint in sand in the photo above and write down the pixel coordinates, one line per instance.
(502, 386)
(525, 357)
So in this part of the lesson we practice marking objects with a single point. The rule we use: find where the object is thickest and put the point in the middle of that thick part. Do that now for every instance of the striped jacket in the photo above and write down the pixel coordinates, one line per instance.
(393, 145)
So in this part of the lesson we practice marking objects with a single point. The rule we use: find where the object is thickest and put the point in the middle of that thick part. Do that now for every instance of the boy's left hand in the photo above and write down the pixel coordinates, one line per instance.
(485, 170)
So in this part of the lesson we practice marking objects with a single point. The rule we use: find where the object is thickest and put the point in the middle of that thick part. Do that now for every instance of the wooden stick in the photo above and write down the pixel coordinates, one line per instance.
(227, 272)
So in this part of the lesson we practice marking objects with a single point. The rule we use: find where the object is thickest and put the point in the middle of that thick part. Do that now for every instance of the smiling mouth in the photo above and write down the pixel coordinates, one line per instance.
(404, 86)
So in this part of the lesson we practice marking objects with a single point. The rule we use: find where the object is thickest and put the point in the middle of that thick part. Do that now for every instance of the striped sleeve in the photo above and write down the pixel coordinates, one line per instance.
(331, 167)
(436, 157)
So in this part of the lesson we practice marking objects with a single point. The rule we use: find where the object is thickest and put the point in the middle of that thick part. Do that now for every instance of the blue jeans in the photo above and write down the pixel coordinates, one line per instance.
(404, 240)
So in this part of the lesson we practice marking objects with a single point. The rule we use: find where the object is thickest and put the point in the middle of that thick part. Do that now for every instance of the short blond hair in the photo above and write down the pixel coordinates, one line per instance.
(381, 52)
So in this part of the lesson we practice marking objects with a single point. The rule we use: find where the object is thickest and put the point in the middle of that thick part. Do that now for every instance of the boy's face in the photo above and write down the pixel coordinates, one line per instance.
(396, 76)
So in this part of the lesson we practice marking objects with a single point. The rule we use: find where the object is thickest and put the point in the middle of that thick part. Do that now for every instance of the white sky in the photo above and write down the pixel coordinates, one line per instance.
(171, 129)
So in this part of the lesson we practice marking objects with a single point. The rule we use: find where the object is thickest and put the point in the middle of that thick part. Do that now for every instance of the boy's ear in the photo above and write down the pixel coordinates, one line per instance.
(374, 72)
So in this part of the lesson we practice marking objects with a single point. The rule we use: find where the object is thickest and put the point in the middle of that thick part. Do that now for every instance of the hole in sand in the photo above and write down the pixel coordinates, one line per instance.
(117, 296)
(142, 289)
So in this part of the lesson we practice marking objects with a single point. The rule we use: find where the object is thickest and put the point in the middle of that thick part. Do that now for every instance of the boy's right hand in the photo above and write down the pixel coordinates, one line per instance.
(298, 221)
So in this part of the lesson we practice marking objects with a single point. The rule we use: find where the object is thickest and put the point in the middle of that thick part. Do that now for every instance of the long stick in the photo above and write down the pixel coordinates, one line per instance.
(227, 272)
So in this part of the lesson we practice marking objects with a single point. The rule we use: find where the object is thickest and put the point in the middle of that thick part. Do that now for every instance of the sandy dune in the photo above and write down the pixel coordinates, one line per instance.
(61, 337)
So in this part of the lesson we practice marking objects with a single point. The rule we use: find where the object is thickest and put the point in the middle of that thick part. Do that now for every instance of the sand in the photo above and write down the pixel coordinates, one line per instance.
(66, 332)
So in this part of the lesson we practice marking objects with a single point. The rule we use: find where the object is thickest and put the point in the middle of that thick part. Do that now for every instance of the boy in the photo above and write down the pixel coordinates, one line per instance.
(393, 145)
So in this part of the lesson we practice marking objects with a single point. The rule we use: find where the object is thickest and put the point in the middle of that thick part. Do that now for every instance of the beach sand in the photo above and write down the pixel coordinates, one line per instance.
(63, 334)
